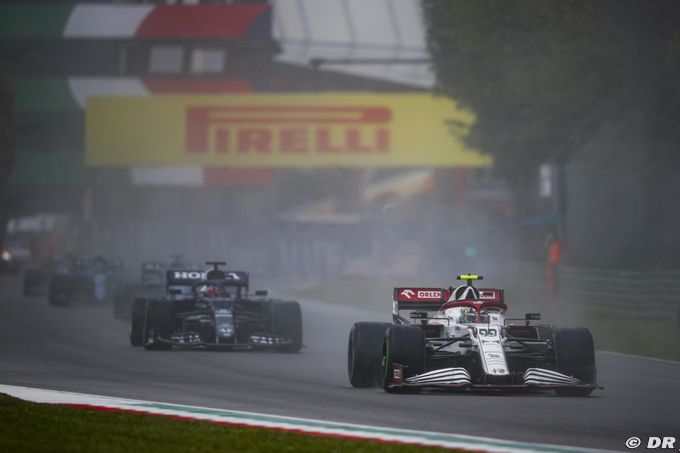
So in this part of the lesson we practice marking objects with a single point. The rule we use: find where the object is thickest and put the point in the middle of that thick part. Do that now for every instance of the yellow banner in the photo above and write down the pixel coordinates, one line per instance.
(280, 130)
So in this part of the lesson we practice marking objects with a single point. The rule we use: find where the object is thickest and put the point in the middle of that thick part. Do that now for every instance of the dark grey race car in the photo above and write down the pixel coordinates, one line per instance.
(215, 310)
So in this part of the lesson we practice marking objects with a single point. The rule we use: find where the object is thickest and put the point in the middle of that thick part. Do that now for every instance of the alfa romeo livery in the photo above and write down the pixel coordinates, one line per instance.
(460, 338)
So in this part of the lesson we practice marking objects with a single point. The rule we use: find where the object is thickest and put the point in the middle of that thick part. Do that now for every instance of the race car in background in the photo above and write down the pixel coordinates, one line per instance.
(151, 283)
(215, 309)
(459, 338)
(37, 278)
(77, 279)
(8, 263)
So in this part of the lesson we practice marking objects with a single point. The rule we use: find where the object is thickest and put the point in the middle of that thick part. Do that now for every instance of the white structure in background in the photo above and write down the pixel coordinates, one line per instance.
(355, 30)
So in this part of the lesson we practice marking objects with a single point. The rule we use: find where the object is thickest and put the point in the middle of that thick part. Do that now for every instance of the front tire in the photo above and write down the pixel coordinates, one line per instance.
(364, 353)
(404, 345)
(138, 324)
(575, 356)
(121, 302)
(58, 290)
(287, 322)
(160, 322)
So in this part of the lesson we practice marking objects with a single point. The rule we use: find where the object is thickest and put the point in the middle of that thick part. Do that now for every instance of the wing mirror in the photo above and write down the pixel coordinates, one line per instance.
(532, 317)
(261, 292)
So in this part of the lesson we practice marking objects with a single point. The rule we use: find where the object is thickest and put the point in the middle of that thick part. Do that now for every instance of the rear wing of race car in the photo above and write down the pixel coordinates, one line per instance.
(428, 299)
(432, 299)
(152, 266)
(232, 278)
(189, 278)
(228, 278)
(181, 277)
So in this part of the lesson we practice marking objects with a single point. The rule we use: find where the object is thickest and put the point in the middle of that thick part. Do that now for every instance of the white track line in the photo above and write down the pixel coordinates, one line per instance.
(653, 359)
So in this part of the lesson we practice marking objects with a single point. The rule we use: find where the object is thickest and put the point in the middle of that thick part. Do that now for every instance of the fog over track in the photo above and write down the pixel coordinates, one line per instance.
(84, 349)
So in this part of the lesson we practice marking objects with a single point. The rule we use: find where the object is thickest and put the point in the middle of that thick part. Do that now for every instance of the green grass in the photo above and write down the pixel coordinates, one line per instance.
(26, 426)
(631, 335)
(374, 294)
(612, 330)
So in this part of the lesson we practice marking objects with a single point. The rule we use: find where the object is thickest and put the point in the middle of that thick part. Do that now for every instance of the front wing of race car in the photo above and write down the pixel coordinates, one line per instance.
(459, 377)
(195, 339)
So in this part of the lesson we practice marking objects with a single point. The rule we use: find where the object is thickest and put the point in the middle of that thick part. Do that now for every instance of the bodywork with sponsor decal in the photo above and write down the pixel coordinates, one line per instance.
(460, 338)
(215, 309)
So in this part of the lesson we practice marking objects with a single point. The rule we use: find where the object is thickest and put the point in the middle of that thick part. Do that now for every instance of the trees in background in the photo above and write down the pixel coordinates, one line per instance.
(594, 82)
(7, 144)
(549, 78)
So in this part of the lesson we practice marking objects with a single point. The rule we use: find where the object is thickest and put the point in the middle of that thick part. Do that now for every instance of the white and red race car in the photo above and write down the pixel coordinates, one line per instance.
(460, 338)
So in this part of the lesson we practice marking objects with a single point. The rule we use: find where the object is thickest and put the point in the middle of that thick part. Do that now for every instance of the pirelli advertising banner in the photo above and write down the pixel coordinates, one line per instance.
(280, 130)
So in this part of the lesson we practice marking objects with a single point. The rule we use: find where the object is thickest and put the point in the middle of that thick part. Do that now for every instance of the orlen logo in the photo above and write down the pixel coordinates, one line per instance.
(407, 293)
(289, 130)
(435, 295)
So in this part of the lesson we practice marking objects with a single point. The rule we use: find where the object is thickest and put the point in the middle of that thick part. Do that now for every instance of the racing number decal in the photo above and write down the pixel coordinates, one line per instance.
(487, 332)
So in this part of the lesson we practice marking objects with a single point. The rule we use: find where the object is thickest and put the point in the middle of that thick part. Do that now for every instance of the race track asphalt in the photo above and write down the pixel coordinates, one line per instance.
(84, 349)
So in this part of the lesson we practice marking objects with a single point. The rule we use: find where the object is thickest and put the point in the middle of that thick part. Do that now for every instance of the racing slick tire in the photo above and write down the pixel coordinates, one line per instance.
(575, 356)
(160, 322)
(57, 290)
(364, 353)
(121, 302)
(287, 322)
(404, 345)
(138, 323)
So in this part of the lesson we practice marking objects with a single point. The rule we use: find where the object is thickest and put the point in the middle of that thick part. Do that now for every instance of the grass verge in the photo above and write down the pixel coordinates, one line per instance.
(628, 334)
(26, 426)
(374, 294)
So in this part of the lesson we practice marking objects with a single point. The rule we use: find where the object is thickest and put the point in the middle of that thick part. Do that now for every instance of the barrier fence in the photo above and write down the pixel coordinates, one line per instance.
(653, 294)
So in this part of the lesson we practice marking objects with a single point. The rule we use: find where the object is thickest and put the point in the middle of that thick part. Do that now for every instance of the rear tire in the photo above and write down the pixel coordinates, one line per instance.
(58, 290)
(287, 322)
(575, 356)
(160, 322)
(138, 324)
(404, 345)
(122, 297)
(364, 353)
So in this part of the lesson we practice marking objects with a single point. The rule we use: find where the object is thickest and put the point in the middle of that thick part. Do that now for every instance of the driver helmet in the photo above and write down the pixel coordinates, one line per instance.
(208, 290)
(484, 316)
(462, 315)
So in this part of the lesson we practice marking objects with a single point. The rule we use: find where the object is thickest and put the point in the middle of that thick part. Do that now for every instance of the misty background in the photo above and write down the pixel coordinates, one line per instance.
(577, 102)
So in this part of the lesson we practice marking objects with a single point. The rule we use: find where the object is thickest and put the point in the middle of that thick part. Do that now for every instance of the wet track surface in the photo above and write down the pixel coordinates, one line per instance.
(84, 349)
